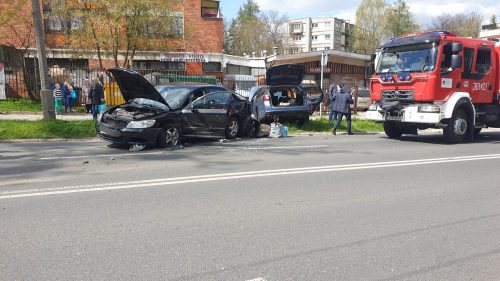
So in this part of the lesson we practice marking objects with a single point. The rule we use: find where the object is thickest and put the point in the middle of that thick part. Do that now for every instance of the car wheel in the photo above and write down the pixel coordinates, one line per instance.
(457, 127)
(252, 130)
(169, 136)
(392, 130)
(232, 128)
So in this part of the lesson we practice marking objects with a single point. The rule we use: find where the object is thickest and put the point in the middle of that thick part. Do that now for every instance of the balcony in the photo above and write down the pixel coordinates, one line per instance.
(296, 28)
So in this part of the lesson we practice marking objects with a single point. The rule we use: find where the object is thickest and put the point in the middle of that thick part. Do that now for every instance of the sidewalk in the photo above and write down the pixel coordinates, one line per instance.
(30, 116)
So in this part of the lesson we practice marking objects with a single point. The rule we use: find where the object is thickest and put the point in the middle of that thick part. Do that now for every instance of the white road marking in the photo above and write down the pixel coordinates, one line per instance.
(239, 175)
(275, 147)
(258, 279)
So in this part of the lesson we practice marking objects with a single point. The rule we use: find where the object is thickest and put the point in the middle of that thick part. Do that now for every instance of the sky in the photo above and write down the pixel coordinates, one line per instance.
(424, 10)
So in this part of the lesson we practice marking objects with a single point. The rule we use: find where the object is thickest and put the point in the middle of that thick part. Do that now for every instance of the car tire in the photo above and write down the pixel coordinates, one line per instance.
(170, 136)
(232, 128)
(457, 127)
(392, 130)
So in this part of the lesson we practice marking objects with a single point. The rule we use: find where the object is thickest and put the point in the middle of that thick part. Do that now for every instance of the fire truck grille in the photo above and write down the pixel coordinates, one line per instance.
(398, 95)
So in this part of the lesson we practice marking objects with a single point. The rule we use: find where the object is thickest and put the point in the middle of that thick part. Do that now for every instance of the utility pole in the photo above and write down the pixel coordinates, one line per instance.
(324, 62)
(45, 93)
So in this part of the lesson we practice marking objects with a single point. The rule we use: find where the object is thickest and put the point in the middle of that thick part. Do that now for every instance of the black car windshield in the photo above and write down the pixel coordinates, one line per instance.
(174, 96)
(412, 58)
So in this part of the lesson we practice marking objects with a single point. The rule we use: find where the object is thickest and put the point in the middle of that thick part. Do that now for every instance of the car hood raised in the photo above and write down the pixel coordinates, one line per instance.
(286, 74)
(133, 85)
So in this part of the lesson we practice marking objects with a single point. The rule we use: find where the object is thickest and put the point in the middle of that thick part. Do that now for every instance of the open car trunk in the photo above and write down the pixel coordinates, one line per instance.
(286, 96)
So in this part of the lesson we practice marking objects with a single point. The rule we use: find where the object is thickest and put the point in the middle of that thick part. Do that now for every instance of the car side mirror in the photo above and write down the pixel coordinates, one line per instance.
(456, 47)
(456, 61)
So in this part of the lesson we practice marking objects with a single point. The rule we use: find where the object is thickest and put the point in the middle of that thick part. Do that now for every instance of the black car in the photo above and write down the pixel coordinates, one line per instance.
(161, 116)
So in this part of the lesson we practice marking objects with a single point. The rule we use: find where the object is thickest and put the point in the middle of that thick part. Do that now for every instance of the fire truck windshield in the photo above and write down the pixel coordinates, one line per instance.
(412, 58)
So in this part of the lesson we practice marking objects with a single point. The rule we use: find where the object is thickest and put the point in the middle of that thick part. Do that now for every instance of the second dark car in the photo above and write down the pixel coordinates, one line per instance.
(162, 115)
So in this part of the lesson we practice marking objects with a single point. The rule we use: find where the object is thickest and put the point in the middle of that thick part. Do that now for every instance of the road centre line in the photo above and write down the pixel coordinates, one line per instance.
(240, 175)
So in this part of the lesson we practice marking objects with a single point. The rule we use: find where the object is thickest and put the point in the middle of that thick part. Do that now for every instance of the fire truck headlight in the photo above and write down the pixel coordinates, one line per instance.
(429, 108)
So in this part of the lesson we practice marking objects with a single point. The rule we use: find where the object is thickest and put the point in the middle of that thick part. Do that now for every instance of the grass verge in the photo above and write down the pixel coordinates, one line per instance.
(10, 105)
(323, 125)
(54, 129)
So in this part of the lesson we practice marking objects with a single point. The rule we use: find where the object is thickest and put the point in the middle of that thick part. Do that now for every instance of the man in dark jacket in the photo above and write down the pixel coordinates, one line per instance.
(96, 95)
(332, 92)
(342, 105)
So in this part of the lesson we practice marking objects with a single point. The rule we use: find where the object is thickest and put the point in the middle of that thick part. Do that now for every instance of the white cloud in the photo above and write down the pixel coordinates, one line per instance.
(424, 10)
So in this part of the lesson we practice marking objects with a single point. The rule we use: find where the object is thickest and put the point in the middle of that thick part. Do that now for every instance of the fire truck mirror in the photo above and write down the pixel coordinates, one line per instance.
(372, 57)
(456, 47)
(456, 61)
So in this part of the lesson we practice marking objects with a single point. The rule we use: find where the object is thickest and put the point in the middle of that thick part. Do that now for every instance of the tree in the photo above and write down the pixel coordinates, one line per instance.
(399, 20)
(465, 25)
(120, 27)
(493, 20)
(255, 31)
(21, 30)
(369, 25)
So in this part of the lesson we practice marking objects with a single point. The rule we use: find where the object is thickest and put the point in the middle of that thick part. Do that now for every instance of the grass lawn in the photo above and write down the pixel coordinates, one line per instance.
(10, 105)
(18, 129)
(322, 125)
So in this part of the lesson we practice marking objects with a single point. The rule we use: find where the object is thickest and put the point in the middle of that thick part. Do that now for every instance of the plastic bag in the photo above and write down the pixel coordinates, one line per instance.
(73, 94)
(276, 130)
(103, 107)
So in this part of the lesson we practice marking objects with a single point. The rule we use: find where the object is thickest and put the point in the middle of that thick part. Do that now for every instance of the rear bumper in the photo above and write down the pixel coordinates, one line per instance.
(409, 114)
(146, 136)
(286, 115)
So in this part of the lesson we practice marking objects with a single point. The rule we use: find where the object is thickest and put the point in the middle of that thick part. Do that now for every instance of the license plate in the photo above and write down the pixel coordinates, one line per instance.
(393, 118)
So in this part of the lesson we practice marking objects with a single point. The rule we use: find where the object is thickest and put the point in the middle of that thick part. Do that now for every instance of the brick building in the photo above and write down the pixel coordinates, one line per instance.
(196, 50)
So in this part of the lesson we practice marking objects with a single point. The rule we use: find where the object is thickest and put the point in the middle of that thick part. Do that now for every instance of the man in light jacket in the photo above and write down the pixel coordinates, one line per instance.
(342, 106)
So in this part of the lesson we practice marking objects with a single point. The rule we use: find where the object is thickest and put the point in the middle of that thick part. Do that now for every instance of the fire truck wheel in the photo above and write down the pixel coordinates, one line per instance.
(392, 130)
(457, 127)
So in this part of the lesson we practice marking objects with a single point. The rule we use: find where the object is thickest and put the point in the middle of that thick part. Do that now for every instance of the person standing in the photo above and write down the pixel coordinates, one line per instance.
(58, 96)
(342, 105)
(67, 99)
(332, 91)
(96, 96)
(86, 96)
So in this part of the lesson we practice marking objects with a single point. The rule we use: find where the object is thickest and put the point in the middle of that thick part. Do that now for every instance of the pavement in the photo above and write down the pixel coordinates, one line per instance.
(38, 116)
(320, 207)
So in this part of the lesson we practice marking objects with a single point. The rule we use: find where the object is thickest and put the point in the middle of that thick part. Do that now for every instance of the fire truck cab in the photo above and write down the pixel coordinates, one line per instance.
(436, 80)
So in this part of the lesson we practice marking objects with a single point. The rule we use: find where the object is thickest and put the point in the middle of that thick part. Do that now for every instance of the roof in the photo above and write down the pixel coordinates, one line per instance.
(333, 56)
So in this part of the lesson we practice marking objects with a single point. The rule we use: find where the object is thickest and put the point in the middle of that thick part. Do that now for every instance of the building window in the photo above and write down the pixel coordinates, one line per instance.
(314, 49)
(315, 37)
(159, 65)
(210, 9)
(327, 36)
(212, 67)
(294, 50)
(328, 24)
(315, 25)
(297, 38)
(327, 48)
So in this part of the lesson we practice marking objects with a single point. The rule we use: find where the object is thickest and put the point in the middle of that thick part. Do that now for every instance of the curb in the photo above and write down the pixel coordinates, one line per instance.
(93, 139)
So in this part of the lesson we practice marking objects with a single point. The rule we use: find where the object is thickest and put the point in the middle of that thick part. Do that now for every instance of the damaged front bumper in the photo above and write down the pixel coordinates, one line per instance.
(127, 136)
(408, 113)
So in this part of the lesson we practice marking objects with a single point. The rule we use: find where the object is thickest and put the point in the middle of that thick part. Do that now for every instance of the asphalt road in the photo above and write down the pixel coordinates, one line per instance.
(357, 207)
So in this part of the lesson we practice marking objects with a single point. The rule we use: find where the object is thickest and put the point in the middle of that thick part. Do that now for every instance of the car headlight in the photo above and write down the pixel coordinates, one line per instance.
(141, 124)
(429, 108)
(373, 107)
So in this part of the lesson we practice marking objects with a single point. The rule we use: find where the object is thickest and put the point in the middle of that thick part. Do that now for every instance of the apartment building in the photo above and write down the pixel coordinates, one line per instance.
(490, 31)
(318, 34)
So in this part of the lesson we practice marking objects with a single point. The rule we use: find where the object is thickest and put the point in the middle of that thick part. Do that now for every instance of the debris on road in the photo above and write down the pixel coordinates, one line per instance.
(137, 147)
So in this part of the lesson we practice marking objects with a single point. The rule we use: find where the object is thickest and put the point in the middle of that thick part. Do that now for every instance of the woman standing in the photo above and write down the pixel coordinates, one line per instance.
(66, 92)
(86, 96)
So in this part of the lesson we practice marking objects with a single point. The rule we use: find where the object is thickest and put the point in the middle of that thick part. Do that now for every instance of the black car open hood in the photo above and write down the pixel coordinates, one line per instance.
(133, 86)
(286, 74)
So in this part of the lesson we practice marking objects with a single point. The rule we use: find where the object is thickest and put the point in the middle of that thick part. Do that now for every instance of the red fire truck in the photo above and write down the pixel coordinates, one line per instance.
(436, 80)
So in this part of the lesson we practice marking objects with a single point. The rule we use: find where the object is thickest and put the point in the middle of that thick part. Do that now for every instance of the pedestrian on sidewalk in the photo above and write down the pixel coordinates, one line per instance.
(58, 96)
(332, 91)
(342, 105)
(67, 99)
(96, 96)
(86, 95)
